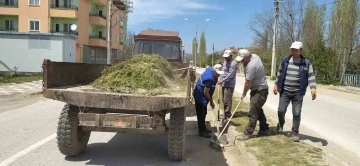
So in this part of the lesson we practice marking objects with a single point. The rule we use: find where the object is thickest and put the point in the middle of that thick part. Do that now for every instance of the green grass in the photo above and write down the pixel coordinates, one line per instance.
(143, 74)
(281, 150)
(20, 78)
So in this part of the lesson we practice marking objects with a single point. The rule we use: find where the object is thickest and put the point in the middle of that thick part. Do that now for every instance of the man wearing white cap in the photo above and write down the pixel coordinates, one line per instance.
(295, 74)
(255, 81)
(228, 81)
(203, 93)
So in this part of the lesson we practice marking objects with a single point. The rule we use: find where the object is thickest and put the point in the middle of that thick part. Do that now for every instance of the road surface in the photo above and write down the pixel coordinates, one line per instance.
(334, 119)
(28, 127)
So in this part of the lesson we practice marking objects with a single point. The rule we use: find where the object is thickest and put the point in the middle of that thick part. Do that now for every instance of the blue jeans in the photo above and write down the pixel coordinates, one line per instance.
(296, 102)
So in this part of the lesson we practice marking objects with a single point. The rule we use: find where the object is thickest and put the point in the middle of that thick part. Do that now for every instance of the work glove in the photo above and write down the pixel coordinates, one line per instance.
(275, 90)
(313, 95)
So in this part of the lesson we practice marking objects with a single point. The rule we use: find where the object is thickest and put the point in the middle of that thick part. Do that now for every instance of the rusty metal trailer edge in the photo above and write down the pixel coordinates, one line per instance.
(93, 111)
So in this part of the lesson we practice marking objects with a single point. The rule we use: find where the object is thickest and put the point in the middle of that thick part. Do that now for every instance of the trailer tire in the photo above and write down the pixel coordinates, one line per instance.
(176, 138)
(71, 139)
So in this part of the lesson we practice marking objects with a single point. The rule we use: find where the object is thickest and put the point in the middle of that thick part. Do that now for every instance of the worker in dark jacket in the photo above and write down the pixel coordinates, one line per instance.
(294, 76)
(203, 93)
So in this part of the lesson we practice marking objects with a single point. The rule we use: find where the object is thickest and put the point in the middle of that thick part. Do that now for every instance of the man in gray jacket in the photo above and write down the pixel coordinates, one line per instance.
(227, 81)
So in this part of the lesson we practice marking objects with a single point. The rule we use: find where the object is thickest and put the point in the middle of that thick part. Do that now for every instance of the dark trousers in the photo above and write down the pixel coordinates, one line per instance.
(296, 102)
(257, 101)
(227, 94)
(201, 112)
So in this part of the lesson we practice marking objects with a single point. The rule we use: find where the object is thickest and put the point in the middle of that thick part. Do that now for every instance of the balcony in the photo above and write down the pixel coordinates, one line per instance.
(97, 41)
(99, 2)
(10, 3)
(9, 8)
(65, 32)
(97, 19)
(2, 29)
(64, 11)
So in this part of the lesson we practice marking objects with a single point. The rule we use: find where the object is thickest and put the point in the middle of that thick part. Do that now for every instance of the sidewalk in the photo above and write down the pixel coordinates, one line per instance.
(30, 87)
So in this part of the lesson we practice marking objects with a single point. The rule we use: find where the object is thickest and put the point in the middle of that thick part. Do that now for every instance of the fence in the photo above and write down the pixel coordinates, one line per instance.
(351, 80)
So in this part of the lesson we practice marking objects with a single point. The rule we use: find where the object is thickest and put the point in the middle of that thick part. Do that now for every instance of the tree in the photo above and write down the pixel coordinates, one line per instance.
(202, 49)
(194, 50)
(344, 32)
(128, 45)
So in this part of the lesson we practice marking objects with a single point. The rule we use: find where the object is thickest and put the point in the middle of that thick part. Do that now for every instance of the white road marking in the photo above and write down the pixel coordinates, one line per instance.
(27, 150)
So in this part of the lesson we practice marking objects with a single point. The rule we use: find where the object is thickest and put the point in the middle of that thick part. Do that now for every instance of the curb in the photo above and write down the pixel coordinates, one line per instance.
(240, 145)
(36, 93)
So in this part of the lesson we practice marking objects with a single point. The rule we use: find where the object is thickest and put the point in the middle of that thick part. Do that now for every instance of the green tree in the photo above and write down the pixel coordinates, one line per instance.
(194, 50)
(202, 49)
(344, 33)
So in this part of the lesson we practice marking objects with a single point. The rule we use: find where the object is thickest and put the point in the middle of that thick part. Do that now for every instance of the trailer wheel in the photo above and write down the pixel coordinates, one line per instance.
(71, 139)
(176, 138)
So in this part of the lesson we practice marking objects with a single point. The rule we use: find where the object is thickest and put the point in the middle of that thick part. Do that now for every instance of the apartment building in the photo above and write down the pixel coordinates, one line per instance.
(56, 16)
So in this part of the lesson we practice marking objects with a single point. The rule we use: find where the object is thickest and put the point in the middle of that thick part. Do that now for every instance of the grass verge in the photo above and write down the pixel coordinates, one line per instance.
(20, 78)
(274, 149)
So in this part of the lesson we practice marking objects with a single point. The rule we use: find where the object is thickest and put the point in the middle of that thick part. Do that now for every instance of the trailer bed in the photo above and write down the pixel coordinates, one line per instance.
(69, 83)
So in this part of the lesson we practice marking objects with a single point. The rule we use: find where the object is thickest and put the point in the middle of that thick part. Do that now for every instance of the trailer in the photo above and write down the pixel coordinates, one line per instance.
(88, 109)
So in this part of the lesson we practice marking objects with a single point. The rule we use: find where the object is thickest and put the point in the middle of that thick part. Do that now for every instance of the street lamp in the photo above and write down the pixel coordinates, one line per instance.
(197, 24)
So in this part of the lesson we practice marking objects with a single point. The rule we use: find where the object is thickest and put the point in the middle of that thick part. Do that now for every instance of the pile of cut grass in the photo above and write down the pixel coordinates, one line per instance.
(143, 74)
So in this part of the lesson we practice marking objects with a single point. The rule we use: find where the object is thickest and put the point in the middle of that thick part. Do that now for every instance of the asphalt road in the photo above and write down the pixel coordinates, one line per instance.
(332, 118)
(28, 138)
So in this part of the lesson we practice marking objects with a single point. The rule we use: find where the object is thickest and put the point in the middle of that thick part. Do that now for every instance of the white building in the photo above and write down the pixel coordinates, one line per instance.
(27, 51)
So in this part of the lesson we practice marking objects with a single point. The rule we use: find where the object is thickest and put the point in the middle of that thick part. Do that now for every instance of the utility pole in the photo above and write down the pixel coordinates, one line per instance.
(109, 28)
(273, 57)
(212, 57)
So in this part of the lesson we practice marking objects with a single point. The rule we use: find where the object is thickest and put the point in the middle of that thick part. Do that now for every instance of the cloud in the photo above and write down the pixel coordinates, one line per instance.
(145, 11)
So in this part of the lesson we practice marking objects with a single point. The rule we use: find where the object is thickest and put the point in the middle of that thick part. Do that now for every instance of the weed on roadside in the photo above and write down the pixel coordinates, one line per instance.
(20, 78)
(281, 150)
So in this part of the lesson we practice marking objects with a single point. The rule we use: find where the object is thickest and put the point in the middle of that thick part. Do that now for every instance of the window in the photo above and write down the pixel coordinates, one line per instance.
(122, 23)
(34, 25)
(117, 19)
(117, 37)
(9, 24)
(10, 2)
(66, 28)
(34, 2)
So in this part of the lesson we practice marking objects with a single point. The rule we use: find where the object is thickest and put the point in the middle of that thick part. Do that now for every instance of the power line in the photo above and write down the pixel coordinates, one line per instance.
(222, 46)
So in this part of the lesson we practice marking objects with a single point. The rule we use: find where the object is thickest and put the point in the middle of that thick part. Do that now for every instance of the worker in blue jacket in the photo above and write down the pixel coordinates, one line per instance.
(203, 93)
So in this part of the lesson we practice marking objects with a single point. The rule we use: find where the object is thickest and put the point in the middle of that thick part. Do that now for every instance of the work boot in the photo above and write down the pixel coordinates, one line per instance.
(244, 137)
(208, 131)
(295, 137)
(205, 135)
(279, 129)
(227, 115)
(264, 133)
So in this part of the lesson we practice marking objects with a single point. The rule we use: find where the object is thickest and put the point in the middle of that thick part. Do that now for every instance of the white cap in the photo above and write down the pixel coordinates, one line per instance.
(227, 53)
(242, 54)
(218, 69)
(296, 45)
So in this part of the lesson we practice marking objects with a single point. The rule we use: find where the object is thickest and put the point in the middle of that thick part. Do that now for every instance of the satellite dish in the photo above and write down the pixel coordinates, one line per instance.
(73, 27)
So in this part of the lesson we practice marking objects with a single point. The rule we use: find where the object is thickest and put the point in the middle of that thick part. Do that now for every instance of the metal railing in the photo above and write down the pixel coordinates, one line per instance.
(97, 37)
(65, 32)
(97, 14)
(9, 4)
(8, 29)
(72, 7)
(352, 80)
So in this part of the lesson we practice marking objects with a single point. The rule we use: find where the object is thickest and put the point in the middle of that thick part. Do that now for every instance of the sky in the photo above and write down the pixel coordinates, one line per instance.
(228, 25)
